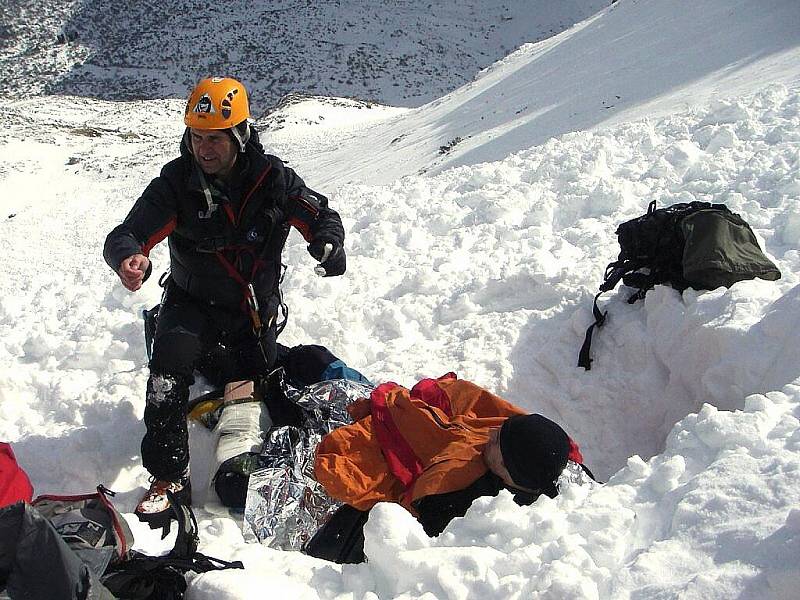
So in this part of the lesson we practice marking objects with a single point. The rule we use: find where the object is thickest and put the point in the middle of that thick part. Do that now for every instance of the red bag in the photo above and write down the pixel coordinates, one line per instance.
(14, 482)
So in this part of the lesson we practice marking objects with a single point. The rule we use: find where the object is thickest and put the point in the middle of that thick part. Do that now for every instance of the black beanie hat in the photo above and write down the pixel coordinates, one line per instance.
(535, 451)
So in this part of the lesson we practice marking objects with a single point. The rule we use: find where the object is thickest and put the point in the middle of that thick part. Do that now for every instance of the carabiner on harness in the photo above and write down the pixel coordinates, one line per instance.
(252, 305)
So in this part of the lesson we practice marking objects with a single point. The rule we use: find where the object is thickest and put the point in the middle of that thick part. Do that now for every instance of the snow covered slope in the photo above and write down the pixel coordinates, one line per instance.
(636, 59)
(691, 412)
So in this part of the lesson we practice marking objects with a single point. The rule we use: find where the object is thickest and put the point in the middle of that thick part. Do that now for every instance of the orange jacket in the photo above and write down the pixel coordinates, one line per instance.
(428, 440)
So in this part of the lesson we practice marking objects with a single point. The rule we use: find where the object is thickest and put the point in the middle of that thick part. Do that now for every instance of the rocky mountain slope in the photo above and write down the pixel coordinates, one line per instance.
(403, 53)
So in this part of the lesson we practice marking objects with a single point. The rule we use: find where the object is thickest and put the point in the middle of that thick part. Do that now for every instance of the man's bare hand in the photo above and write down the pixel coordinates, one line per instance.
(131, 271)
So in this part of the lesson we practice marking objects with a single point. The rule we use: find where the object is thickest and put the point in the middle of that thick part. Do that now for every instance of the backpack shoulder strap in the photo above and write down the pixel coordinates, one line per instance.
(142, 576)
(614, 273)
(184, 555)
(187, 539)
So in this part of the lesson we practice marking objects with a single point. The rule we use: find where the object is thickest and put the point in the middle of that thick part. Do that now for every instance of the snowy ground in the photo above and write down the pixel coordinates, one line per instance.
(691, 412)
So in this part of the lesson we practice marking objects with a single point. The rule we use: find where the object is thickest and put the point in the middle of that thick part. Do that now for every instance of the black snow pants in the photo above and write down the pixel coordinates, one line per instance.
(193, 335)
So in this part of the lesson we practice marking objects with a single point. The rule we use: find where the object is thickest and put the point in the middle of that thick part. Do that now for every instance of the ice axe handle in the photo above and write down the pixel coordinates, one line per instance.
(326, 252)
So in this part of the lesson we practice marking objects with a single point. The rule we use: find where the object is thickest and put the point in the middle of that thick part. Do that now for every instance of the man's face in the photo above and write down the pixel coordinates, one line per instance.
(214, 150)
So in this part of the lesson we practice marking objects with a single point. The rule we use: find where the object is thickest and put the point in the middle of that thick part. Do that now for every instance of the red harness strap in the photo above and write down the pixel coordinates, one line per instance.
(400, 456)
(250, 302)
(237, 219)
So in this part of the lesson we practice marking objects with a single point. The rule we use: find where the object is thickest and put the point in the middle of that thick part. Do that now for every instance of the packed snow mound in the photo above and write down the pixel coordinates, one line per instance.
(487, 270)
(405, 53)
(492, 268)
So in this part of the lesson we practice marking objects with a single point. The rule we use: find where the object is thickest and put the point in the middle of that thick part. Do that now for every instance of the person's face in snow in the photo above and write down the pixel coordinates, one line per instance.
(493, 457)
(214, 150)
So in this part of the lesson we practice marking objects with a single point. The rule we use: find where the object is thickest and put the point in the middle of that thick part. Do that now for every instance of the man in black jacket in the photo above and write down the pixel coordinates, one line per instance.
(226, 208)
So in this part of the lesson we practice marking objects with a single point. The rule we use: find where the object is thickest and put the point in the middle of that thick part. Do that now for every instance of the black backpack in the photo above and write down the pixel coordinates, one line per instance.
(91, 526)
(79, 546)
(696, 244)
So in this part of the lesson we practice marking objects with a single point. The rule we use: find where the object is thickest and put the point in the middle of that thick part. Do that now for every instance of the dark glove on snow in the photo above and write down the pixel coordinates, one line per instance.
(330, 255)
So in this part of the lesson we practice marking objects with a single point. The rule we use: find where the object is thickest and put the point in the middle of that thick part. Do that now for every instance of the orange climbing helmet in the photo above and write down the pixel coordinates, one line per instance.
(217, 103)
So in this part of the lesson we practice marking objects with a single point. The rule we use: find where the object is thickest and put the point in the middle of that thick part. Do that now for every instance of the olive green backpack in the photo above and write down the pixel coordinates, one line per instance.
(696, 244)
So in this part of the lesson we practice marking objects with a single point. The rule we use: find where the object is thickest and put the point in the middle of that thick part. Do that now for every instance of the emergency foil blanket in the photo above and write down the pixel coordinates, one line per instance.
(285, 505)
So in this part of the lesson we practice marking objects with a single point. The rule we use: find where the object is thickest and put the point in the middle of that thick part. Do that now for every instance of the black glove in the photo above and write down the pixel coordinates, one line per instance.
(330, 256)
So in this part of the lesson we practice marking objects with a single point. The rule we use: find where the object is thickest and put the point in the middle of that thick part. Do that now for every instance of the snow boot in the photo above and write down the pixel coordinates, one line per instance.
(155, 507)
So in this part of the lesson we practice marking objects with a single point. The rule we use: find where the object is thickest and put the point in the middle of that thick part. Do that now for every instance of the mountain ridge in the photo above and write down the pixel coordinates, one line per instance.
(407, 55)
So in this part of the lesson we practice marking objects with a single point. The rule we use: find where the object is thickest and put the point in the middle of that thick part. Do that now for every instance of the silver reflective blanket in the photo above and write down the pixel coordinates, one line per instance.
(284, 505)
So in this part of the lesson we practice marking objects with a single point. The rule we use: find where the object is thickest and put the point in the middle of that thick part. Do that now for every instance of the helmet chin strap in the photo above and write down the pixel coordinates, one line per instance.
(239, 137)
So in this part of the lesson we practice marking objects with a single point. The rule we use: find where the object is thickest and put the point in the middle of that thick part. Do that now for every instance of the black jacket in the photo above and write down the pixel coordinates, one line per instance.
(230, 235)
(341, 539)
(437, 510)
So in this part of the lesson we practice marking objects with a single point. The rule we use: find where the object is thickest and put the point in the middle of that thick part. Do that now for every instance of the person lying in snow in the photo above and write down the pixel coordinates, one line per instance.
(435, 448)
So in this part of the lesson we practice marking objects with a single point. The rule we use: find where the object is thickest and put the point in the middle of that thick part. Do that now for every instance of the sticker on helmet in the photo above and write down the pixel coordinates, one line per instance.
(204, 105)
(225, 105)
